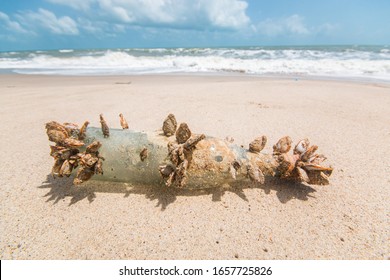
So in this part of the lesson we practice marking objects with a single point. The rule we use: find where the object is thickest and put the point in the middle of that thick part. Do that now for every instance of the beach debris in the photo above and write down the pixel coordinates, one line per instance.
(257, 145)
(185, 161)
(123, 121)
(183, 133)
(105, 129)
(169, 125)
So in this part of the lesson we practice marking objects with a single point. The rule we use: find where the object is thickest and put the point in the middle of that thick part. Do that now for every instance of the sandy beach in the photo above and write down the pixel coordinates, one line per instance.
(43, 218)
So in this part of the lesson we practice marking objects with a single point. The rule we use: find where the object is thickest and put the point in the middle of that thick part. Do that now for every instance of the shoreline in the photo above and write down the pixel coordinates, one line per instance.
(233, 75)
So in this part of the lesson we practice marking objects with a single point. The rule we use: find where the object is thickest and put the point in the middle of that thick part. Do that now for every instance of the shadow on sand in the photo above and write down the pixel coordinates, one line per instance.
(60, 188)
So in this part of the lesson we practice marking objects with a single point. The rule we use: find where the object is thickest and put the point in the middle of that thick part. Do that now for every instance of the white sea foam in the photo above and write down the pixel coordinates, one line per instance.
(336, 62)
(66, 51)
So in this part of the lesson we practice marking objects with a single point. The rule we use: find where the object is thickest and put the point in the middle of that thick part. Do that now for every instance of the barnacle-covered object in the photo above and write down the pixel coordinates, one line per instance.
(183, 159)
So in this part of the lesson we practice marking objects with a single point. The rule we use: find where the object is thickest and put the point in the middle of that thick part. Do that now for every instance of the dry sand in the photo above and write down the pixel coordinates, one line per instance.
(42, 218)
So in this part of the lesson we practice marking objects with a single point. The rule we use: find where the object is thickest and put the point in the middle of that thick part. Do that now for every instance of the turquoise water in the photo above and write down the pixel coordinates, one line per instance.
(368, 62)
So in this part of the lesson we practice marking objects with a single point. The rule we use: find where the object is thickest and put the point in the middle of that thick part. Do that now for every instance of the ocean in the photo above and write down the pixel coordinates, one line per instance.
(349, 62)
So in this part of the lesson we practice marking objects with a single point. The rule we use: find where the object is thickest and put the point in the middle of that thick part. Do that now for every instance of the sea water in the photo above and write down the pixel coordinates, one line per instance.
(353, 62)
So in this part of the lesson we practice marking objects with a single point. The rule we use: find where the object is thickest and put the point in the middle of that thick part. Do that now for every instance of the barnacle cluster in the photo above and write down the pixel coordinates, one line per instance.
(66, 152)
(303, 165)
(179, 152)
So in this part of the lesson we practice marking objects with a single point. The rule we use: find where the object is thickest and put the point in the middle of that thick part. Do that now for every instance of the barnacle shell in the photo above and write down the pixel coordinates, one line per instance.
(71, 142)
(93, 147)
(66, 169)
(72, 129)
(166, 170)
(183, 133)
(169, 125)
(123, 122)
(302, 146)
(105, 128)
(283, 145)
(88, 160)
(302, 175)
(310, 151)
(255, 174)
(57, 136)
(143, 154)
(83, 174)
(257, 145)
(56, 126)
(83, 129)
(99, 167)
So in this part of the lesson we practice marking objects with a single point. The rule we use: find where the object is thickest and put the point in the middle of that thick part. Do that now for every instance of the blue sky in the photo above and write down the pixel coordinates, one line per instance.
(58, 24)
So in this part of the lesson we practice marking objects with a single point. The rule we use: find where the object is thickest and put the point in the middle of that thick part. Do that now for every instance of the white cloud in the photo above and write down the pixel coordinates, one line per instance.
(11, 25)
(294, 25)
(198, 14)
(229, 14)
(48, 20)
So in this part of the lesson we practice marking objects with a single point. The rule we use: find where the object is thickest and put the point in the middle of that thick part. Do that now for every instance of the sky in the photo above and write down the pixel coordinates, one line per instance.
(83, 24)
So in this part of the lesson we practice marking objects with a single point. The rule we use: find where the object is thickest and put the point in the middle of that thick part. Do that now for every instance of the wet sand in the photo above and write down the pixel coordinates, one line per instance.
(43, 218)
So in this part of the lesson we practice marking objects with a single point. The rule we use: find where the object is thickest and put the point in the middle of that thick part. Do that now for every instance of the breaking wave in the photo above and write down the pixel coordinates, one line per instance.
(352, 61)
